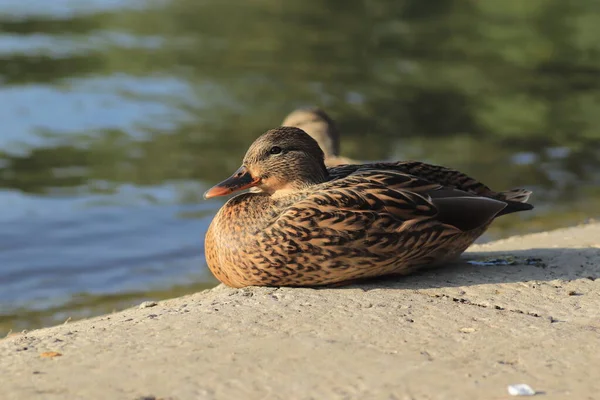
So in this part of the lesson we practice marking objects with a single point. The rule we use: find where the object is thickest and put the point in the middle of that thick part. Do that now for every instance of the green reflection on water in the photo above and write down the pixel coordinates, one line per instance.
(517, 77)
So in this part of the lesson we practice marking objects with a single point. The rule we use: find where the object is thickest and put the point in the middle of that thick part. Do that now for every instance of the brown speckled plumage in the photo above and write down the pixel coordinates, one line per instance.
(313, 226)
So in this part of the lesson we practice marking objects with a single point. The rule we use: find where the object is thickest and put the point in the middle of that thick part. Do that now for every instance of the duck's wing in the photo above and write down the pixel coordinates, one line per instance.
(433, 173)
(409, 197)
(449, 178)
(389, 202)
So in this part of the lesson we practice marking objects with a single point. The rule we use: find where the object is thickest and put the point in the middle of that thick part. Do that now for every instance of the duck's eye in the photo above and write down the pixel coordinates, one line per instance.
(275, 150)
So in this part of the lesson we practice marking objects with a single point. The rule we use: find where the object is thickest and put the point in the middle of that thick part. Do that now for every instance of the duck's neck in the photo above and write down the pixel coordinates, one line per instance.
(297, 185)
(285, 192)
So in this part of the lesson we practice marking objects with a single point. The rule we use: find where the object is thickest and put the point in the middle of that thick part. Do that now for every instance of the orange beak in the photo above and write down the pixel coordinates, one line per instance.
(240, 180)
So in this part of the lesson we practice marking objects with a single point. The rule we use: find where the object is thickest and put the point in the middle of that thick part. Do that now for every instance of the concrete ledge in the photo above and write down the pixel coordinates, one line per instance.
(461, 332)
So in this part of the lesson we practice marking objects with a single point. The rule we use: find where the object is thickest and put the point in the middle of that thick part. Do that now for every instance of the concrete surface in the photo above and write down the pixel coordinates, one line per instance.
(461, 332)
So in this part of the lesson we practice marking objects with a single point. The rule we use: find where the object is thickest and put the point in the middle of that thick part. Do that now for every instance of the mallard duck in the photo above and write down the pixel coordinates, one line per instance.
(323, 129)
(310, 225)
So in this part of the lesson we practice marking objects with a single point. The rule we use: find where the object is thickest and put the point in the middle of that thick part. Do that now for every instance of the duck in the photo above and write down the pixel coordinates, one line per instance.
(311, 225)
(321, 127)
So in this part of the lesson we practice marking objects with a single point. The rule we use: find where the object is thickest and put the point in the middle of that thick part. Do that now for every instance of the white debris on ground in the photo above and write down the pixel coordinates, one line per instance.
(148, 304)
(521, 389)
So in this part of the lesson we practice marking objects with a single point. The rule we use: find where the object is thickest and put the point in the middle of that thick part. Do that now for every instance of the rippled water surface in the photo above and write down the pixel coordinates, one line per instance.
(118, 114)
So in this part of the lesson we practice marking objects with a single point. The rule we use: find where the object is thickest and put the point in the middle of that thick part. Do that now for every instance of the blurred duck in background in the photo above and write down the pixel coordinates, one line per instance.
(323, 129)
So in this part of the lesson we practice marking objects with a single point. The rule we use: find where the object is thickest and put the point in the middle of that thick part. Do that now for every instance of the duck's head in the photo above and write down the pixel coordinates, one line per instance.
(280, 160)
(319, 125)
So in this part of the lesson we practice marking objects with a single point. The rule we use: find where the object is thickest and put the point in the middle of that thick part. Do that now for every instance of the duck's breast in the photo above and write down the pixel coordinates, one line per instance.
(233, 235)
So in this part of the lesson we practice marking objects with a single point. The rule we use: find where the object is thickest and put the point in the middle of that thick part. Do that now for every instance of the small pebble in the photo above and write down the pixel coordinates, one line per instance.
(467, 330)
(148, 304)
(520, 389)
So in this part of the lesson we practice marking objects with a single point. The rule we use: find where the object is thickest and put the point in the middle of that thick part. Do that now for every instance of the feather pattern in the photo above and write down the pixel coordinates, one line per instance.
(361, 221)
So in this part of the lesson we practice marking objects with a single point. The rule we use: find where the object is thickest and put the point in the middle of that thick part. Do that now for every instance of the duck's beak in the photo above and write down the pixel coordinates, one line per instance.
(240, 180)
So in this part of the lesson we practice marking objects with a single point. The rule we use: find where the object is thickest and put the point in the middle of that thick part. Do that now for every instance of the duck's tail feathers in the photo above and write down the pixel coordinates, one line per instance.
(517, 195)
(516, 201)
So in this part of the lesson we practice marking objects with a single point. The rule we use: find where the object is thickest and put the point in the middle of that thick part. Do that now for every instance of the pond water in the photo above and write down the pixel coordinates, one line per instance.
(118, 114)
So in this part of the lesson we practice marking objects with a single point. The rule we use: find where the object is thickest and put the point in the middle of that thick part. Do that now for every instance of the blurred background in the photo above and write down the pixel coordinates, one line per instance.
(116, 115)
